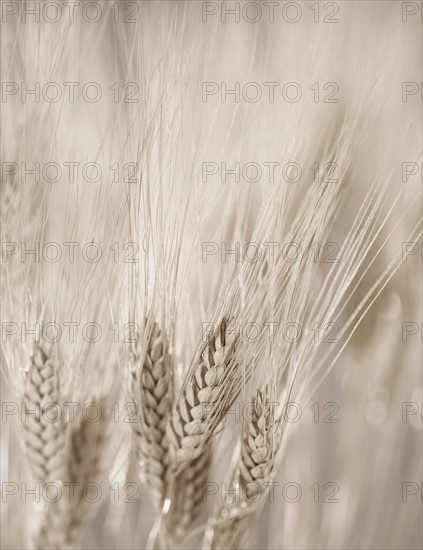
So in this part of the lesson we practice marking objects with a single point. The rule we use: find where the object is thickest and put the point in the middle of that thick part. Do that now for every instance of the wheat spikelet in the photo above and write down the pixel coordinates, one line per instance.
(65, 520)
(260, 440)
(153, 394)
(208, 386)
(43, 438)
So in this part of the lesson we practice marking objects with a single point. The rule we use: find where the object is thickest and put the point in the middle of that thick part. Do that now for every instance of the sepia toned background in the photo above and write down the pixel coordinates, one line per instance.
(160, 132)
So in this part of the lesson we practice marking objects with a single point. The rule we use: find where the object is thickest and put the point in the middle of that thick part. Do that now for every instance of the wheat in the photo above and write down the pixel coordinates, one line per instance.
(170, 127)
(208, 386)
(186, 496)
(256, 465)
(189, 468)
(152, 391)
(87, 449)
(196, 417)
(43, 436)
(66, 519)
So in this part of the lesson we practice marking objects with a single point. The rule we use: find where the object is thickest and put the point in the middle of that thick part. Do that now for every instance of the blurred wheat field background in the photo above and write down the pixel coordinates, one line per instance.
(211, 272)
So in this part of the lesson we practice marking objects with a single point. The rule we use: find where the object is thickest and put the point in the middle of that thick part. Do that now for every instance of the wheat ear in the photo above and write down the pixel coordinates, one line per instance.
(186, 496)
(66, 520)
(198, 411)
(154, 402)
(205, 395)
(43, 438)
(260, 442)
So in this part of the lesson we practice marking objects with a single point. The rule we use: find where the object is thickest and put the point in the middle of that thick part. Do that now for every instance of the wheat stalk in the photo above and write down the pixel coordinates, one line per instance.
(261, 436)
(43, 438)
(152, 391)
